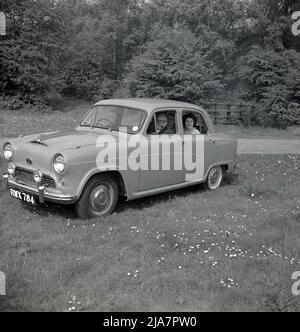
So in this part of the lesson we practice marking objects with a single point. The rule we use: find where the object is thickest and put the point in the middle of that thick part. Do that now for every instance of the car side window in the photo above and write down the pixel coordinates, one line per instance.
(199, 121)
(163, 123)
(202, 125)
(151, 130)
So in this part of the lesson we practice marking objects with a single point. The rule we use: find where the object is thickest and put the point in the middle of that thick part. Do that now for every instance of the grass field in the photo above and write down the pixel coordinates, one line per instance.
(189, 250)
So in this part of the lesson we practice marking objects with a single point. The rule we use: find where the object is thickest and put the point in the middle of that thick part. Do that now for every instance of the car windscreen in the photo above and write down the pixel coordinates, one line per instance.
(115, 118)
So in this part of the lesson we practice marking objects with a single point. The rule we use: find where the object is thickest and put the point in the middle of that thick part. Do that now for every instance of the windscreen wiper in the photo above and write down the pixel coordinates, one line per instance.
(104, 127)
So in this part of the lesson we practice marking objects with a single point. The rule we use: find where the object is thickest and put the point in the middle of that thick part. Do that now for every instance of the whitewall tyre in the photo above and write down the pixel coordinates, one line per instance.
(214, 178)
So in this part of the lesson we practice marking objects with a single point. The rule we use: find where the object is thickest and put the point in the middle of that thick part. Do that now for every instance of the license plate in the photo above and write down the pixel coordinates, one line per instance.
(22, 196)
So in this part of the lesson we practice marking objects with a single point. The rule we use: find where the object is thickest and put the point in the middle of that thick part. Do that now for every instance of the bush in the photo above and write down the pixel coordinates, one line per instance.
(174, 65)
(34, 103)
(106, 89)
(11, 103)
(273, 88)
(53, 99)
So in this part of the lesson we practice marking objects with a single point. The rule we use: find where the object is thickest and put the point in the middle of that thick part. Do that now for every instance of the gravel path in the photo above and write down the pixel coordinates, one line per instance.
(269, 146)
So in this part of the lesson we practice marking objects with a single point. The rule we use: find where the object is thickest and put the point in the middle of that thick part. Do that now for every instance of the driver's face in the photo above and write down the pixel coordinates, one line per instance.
(162, 122)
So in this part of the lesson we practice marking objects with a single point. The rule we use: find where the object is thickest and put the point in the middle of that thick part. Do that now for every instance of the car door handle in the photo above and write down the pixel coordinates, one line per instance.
(212, 141)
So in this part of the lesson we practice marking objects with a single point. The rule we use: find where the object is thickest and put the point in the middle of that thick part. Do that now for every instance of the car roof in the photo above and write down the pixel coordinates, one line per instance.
(147, 104)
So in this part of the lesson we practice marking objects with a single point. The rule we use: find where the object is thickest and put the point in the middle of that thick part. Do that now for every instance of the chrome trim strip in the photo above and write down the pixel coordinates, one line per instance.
(177, 186)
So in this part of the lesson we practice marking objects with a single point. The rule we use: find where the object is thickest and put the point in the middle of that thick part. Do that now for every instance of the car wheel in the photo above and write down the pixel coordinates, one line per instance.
(214, 178)
(99, 198)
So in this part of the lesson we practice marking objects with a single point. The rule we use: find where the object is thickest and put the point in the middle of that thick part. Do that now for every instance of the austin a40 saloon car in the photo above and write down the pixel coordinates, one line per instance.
(123, 147)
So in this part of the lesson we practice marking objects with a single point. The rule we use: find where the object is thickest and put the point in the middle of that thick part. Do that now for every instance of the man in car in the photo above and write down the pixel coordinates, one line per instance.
(162, 124)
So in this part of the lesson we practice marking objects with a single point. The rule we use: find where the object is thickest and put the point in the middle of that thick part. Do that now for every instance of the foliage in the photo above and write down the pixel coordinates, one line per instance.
(273, 85)
(223, 50)
(30, 54)
(106, 89)
(174, 65)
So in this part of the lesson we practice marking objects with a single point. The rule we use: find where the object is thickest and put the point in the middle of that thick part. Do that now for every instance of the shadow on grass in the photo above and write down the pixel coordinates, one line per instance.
(231, 179)
(147, 202)
(68, 211)
(52, 209)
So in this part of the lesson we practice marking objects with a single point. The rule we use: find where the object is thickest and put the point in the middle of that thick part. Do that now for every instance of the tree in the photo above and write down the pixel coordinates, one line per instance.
(29, 56)
(175, 65)
(273, 85)
(181, 49)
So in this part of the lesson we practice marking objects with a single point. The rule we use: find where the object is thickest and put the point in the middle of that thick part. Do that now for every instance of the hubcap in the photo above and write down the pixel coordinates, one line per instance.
(215, 177)
(100, 198)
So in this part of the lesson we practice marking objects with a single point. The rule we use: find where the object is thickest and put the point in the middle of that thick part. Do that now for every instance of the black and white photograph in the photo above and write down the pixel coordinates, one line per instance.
(149, 158)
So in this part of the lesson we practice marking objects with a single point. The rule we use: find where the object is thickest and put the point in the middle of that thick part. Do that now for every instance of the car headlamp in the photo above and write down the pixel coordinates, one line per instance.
(59, 164)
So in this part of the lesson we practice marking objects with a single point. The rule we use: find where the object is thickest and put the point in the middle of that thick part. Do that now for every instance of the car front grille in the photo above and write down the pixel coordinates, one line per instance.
(26, 177)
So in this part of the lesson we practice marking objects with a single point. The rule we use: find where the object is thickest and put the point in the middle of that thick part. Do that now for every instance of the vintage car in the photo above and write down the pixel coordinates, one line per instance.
(120, 148)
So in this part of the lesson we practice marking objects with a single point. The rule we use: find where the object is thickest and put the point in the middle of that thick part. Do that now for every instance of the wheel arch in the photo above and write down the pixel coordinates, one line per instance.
(225, 168)
(223, 165)
(115, 174)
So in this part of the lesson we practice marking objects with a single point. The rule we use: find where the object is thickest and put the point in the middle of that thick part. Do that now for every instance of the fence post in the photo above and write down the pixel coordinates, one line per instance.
(216, 119)
(240, 112)
(228, 113)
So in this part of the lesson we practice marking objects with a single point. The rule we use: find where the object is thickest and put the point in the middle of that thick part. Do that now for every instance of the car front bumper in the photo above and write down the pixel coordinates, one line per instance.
(40, 191)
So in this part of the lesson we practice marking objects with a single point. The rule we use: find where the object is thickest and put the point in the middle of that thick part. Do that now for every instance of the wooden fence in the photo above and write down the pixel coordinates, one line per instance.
(227, 113)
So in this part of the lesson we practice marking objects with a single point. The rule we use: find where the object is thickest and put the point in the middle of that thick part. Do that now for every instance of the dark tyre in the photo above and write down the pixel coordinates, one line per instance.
(99, 197)
(214, 178)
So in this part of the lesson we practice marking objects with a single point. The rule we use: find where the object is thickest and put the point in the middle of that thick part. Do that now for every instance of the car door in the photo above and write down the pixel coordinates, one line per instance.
(202, 148)
(164, 152)
(218, 147)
